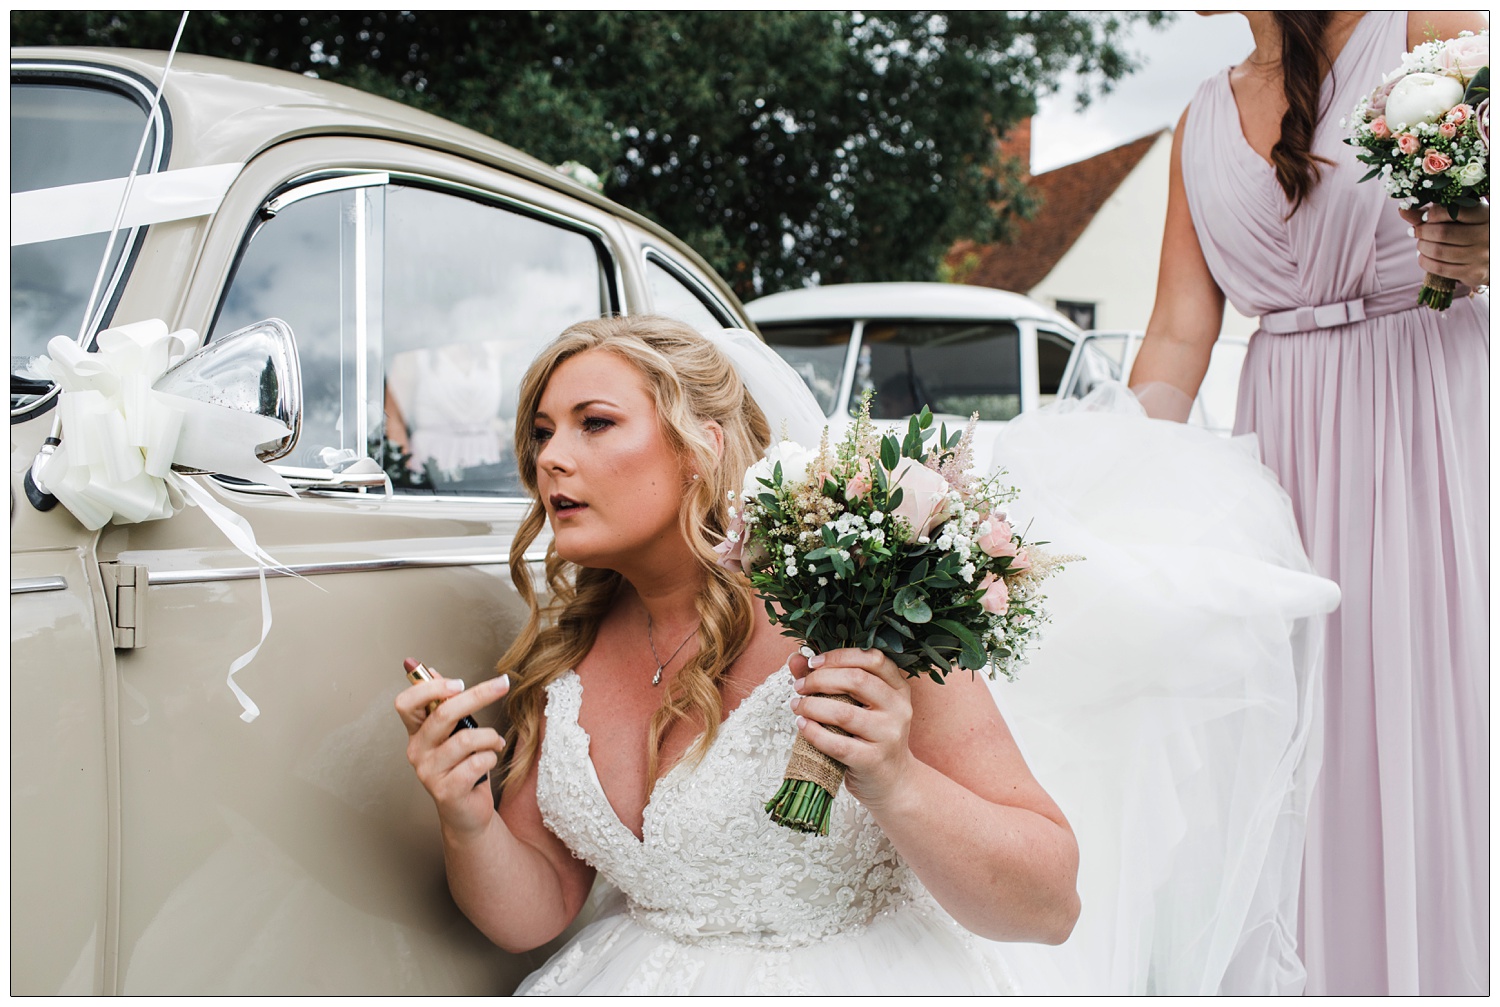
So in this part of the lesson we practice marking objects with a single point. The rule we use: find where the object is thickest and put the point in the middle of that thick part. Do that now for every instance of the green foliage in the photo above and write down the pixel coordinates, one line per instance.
(785, 146)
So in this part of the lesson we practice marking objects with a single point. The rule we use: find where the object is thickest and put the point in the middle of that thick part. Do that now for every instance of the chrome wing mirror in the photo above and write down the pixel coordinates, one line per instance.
(252, 370)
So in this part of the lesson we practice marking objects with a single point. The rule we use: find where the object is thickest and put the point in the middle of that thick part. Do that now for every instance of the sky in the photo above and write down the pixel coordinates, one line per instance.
(1173, 61)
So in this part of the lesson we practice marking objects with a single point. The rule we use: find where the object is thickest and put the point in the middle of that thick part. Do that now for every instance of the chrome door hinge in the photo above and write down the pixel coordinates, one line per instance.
(125, 591)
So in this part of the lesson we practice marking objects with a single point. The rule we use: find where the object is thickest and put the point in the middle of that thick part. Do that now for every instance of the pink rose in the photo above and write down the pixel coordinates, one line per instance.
(1460, 114)
(996, 598)
(1408, 143)
(924, 495)
(1448, 130)
(1380, 128)
(731, 550)
(1482, 123)
(1435, 162)
(997, 541)
(859, 484)
(1021, 563)
(1464, 56)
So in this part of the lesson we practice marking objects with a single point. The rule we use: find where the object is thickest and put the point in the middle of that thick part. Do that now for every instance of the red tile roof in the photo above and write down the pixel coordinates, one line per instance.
(1070, 196)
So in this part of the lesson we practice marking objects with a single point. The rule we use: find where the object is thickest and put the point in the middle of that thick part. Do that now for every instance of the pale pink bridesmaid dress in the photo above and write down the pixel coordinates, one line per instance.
(1374, 414)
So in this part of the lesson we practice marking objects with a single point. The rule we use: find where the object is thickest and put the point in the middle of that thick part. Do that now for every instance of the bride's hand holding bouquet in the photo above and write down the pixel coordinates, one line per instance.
(889, 546)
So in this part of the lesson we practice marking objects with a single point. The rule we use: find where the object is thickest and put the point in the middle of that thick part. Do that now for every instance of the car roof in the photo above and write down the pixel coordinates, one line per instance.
(898, 300)
(227, 111)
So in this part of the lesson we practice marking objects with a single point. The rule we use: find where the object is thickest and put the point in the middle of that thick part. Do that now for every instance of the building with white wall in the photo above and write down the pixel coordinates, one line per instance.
(1093, 248)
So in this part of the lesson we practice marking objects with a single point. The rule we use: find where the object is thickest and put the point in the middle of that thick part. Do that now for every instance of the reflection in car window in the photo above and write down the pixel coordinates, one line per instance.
(675, 299)
(1052, 353)
(951, 367)
(461, 295)
(63, 135)
(816, 352)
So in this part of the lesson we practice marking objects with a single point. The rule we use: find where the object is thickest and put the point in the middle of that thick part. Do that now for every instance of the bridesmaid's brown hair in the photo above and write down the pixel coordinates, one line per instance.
(1303, 61)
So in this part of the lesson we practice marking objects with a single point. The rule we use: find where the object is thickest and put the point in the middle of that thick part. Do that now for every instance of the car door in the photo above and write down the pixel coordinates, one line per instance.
(298, 853)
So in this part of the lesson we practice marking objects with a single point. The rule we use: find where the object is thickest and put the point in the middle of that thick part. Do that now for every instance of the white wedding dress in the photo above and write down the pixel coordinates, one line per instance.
(1168, 710)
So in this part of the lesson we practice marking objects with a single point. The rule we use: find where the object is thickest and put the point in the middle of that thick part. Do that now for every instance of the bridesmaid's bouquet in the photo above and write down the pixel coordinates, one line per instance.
(889, 544)
(1425, 133)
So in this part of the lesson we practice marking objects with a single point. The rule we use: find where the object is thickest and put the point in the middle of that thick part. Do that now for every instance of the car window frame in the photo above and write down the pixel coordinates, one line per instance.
(651, 254)
(610, 262)
(142, 91)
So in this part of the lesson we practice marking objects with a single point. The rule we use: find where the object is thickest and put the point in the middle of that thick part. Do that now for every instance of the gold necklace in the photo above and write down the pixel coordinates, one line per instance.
(660, 664)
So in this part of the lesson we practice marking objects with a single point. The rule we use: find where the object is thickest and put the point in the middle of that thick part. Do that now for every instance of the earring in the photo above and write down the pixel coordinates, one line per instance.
(696, 477)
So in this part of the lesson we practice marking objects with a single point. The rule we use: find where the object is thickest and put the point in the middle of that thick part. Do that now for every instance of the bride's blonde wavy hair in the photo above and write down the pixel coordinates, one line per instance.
(690, 381)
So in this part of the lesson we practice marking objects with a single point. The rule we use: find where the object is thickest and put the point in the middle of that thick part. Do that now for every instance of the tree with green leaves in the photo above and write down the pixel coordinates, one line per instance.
(786, 146)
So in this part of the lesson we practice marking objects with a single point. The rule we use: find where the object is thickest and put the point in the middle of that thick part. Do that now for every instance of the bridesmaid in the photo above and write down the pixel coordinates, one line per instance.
(1373, 413)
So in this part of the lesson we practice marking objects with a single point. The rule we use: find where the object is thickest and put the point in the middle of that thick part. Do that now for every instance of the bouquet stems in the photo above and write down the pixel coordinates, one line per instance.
(1437, 292)
(812, 779)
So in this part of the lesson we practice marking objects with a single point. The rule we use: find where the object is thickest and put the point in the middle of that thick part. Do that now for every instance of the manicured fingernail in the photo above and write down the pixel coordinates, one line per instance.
(816, 661)
(504, 681)
(800, 685)
(801, 723)
(805, 651)
(455, 684)
(794, 701)
(1411, 232)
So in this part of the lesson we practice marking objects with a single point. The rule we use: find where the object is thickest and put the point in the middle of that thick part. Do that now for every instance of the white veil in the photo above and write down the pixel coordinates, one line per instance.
(1172, 707)
(789, 405)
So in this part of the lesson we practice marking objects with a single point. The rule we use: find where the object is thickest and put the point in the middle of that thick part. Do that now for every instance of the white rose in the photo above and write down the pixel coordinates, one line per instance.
(1471, 173)
(1421, 97)
(794, 459)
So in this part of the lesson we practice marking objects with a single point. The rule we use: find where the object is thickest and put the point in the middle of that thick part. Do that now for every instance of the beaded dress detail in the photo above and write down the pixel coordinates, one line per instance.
(716, 896)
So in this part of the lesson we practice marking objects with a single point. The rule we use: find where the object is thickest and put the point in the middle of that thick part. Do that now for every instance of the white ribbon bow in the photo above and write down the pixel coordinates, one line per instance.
(121, 437)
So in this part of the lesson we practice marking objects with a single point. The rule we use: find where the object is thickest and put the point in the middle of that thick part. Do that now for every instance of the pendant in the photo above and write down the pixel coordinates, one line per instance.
(656, 678)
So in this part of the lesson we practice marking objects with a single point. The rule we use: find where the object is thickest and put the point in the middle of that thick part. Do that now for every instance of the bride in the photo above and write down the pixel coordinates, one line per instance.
(653, 707)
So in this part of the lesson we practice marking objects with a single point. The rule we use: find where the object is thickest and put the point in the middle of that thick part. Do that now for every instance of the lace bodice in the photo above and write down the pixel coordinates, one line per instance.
(712, 867)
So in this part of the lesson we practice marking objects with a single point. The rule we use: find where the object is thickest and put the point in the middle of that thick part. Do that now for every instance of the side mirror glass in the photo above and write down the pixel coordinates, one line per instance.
(252, 370)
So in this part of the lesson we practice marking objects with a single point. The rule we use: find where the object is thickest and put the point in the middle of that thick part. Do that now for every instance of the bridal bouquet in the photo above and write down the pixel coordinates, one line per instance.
(1425, 133)
(889, 544)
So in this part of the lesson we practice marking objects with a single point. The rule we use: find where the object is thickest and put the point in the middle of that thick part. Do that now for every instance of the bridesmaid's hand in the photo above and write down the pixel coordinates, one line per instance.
(876, 752)
(1458, 249)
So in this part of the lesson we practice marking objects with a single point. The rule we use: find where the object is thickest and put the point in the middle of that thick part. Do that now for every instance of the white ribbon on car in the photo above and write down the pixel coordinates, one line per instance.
(67, 211)
(121, 438)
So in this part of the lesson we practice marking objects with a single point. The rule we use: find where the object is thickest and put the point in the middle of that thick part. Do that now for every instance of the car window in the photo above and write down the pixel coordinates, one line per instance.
(1095, 365)
(416, 313)
(816, 352)
(951, 367)
(63, 134)
(1053, 350)
(674, 298)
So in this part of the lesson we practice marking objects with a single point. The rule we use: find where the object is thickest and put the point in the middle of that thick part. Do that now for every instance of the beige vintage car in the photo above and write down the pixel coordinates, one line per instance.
(159, 844)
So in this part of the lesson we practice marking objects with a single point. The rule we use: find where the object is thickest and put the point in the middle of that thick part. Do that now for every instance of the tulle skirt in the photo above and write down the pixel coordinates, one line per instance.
(1171, 710)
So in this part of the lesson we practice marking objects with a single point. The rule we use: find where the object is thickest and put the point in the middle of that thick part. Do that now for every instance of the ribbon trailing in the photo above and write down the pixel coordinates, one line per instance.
(121, 438)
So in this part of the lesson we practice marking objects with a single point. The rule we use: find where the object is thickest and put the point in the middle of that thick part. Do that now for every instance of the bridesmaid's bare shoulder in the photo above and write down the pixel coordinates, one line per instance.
(1427, 25)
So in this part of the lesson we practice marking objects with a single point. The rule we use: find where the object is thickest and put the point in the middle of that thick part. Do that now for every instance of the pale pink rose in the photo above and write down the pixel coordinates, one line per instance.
(860, 483)
(1460, 114)
(1435, 162)
(1380, 94)
(997, 541)
(1447, 130)
(1021, 563)
(1380, 129)
(731, 550)
(996, 598)
(1482, 123)
(924, 495)
(1464, 56)
(1408, 143)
